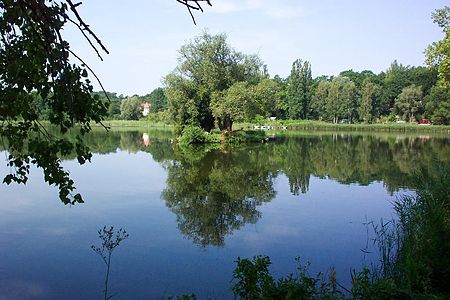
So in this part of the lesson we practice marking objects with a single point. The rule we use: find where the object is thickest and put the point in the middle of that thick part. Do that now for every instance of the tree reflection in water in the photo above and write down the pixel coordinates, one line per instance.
(217, 194)
(216, 190)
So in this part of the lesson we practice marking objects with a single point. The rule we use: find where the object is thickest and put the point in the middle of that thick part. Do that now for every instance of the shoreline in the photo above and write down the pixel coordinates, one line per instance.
(290, 125)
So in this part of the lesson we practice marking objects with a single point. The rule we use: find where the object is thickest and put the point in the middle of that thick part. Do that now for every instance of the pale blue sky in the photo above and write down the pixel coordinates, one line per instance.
(143, 36)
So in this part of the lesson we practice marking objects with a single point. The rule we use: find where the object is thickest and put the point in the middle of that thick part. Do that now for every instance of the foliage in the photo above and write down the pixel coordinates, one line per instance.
(113, 101)
(243, 101)
(341, 100)
(130, 109)
(438, 53)
(252, 280)
(319, 100)
(196, 135)
(414, 256)
(360, 77)
(423, 262)
(370, 99)
(36, 62)
(395, 80)
(409, 102)
(207, 65)
(160, 117)
(158, 100)
(299, 89)
(437, 105)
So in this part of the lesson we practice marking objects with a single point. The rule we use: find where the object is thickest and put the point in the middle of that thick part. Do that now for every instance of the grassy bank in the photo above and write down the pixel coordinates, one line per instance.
(306, 125)
(133, 124)
(324, 126)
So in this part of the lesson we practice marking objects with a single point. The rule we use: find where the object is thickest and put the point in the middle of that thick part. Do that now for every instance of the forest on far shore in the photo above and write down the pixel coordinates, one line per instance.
(215, 85)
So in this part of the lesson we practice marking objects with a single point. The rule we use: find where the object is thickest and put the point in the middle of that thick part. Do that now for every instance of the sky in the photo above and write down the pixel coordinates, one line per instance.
(143, 37)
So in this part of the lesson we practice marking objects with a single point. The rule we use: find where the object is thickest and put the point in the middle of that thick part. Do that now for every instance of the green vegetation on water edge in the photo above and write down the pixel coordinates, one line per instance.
(413, 252)
(319, 125)
(295, 125)
(133, 123)
(195, 135)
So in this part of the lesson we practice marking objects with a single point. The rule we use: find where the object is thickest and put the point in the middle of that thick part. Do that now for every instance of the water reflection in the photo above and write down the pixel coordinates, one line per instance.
(215, 191)
(217, 194)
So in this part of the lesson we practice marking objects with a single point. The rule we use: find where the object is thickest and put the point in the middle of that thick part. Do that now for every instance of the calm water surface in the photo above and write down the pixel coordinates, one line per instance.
(191, 212)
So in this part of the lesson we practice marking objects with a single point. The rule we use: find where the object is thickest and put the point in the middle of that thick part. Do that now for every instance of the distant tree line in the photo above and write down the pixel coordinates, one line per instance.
(214, 86)
(120, 107)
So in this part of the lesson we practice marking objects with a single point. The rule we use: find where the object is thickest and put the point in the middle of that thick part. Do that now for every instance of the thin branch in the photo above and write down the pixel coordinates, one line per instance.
(96, 77)
(85, 36)
(73, 8)
(191, 7)
(90, 70)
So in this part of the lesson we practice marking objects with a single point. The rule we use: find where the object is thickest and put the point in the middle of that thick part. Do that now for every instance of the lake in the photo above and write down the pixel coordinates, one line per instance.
(190, 212)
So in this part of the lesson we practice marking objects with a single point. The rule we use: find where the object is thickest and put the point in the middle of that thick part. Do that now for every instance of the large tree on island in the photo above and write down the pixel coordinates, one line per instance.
(207, 65)
(37, 62)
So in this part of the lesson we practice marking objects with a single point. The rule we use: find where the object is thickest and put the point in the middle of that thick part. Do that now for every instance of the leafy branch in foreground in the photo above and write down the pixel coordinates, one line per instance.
(35, 67)
(35, 72)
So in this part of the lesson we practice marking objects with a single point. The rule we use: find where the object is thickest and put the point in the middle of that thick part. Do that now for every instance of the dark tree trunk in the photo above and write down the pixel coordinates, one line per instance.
(228, 124)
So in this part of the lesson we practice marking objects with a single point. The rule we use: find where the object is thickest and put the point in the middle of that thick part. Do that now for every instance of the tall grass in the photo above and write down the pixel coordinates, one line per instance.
(414, 253)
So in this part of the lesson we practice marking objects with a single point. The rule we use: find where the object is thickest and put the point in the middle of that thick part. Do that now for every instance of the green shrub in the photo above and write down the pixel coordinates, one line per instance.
(192, 135)
(252, 280)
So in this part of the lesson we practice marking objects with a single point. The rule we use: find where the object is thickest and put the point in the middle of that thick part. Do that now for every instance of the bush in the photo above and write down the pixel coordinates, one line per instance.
(195, 135)
(158, 117)
(192, 135)
(252, 280)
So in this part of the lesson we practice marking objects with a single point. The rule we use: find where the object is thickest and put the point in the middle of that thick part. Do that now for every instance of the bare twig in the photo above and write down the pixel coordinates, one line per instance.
(85, 36)
(194, 5)
(84, 26)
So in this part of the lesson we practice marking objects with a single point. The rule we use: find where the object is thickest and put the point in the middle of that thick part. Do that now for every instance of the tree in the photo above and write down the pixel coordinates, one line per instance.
(349, 104)
(113, 101)
(319, 100)
(426, 77)
(158, 100)
(299, 90)
(36, 62)
(409, 102)
(437, 105)
(341, 100)
(438, 53)
(281, 107)
(438, 56)
(130, 109)
(34, 58)
(243, 101)
(370, 100)
(359, 77)
(207, 65)
(395, 80)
